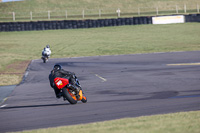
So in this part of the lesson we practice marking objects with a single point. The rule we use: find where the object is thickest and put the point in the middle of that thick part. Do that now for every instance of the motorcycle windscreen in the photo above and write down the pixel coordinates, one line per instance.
(61, 82)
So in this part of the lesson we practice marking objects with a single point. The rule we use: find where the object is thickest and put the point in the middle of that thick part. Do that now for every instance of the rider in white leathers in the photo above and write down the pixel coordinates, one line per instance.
(46, 51)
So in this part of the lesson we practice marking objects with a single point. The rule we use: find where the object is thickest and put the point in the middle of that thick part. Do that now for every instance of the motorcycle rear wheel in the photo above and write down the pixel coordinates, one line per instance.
(69, 96)
(44, 60)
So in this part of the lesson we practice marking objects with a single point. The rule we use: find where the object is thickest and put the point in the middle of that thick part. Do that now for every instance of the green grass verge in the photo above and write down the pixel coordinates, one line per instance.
(183, 122)
(17, 48)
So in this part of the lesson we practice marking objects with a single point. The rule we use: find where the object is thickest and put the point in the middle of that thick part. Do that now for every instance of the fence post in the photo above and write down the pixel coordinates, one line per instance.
(49, 14)
(198, 8)
(185, 8)
(66, 14)
(31, 15)
(118, 12)
(176, 9)
(157, 10)
(99, 13)
(13, 16)
(83, 13)
(138, 11)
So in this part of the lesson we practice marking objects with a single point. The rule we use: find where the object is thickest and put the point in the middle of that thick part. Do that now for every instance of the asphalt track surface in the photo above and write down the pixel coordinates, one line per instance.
(116, 87)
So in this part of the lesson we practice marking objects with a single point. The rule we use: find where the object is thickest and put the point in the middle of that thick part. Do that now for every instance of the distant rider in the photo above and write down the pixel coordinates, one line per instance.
(59, 72)
(46, 51)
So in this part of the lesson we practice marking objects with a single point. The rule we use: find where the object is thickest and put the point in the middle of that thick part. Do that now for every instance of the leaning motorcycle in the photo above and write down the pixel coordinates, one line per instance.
(69, 94)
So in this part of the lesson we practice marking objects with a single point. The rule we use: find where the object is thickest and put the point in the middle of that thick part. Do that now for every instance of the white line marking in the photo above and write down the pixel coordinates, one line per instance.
(3, 105)
(26, 74)
(184, 64)
(4, 100)
(101, 78)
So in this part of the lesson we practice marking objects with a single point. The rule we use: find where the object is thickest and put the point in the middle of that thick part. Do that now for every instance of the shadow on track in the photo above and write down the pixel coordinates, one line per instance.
(35, 106)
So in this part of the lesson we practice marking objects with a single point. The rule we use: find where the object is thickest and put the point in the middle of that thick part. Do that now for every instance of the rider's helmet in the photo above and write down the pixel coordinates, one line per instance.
(57, 67)
(47, 46)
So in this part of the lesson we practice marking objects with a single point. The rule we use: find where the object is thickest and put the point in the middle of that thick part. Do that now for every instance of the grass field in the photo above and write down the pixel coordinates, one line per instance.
(129, 8)
(184, 122)
(18, 48)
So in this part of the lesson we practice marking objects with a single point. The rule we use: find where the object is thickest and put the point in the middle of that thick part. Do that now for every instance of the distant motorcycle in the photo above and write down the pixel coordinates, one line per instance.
(46, 54)
(67, 92)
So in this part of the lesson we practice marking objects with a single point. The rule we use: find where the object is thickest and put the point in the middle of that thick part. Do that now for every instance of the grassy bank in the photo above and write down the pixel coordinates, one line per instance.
(39, 8)
(184, 122)
(18, 48)
(45, 5)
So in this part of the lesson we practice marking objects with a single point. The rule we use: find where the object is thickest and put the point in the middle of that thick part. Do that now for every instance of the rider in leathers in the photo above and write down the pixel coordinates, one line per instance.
(59, 72)
(46, 51)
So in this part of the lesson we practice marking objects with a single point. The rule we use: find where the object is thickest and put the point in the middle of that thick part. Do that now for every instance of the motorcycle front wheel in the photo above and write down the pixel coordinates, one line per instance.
(84, 99)
(69, 96)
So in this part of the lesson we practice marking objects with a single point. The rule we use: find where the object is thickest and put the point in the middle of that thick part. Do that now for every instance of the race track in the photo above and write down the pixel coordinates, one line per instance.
(116, 87)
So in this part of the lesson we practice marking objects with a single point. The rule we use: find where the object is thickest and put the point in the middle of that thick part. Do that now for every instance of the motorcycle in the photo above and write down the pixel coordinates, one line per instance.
(68, 93)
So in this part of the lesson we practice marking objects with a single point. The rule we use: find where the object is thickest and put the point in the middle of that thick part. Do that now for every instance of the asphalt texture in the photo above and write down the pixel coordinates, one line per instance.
(116, 87)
